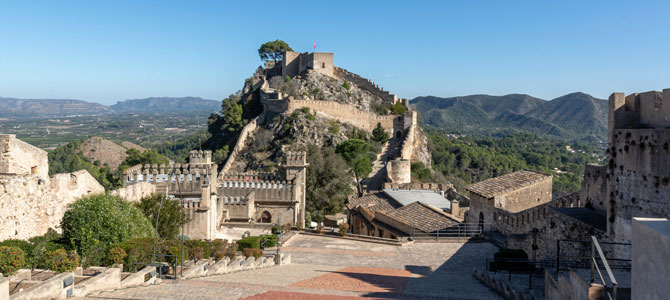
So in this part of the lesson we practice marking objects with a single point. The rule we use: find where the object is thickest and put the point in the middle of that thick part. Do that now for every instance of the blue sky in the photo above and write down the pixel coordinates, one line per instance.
(105, 51)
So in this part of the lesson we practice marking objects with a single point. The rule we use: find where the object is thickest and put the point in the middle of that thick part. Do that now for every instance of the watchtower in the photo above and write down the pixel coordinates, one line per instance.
(296, 171)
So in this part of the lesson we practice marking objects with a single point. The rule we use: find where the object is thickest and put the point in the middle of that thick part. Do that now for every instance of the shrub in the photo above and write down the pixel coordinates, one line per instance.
(169, 223)
(61, 260)
(205, 247)
(106, 219)
(219, 244)
(249, 242)
(176, 251)
(27, 248)
(275, 229)
(269, 240)
(299, 226)
(256, 253)
(230, 253)
(346, 85)
(219, 254)
(286, 227)
(12, 259)
(344, 227)
(197, 253)
(398, 108)
(115, 256)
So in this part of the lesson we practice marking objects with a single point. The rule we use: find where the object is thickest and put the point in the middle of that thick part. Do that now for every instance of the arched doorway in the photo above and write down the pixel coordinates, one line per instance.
(266, 217)
(398, 134)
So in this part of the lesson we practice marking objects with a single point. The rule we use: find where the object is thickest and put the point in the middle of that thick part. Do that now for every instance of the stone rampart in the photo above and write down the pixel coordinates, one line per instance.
(21, 158)
(247, 130)
(346, 113)
(29, 205)
(366, 84)
(135, 192)
(594, 187)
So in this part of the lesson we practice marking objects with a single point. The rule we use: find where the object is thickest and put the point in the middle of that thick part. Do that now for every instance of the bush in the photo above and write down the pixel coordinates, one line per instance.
(275, 229)
(256, 253)
(346, 85)
(116, 256)
(398, 108)
(12, 259)
(25, 246)
(169, 223)
(286, 227)
(230, 253)
(219, 244)
(249, 242)
(102, 220)
(344, 227)
(196, 253)
(219, 254)
(205, 247)
(268, 240)
(61, 260)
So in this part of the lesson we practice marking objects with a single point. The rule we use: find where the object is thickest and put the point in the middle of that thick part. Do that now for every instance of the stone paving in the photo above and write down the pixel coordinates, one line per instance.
(339, 269)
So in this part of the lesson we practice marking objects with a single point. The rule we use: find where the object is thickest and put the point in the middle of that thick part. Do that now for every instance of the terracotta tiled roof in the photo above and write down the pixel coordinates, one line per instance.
(495, 186)
(422, 217)
(373, 202)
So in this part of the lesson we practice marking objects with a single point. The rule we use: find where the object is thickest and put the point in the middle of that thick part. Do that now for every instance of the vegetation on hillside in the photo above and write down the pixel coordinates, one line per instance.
(328, 182)
(466, 160)
(66, 159)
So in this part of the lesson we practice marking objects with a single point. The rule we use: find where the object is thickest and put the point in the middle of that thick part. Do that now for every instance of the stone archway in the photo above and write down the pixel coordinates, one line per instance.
(266, 217)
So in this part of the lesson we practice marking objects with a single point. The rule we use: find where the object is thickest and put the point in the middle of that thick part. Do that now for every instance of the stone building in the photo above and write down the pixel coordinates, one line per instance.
(213, 200)
(511, 193)
(401, 213)
(295, 63)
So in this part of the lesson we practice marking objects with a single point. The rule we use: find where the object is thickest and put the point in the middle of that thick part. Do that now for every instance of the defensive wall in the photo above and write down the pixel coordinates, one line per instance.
(368, 85)
(345, 113)
(21, 158)
(639, 157)
(295, 63)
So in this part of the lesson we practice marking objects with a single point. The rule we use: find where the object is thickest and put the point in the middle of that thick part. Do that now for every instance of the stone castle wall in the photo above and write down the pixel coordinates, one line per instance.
(247, 130)
(135, 192)
(21, 158)
(594, 187)
(30, 205)
(345, 113)
(367, 85)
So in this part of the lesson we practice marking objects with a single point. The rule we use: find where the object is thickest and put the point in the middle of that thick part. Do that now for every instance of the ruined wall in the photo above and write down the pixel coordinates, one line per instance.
(639, 178)
(367, 85)
(594, 187)
(135, 192)
(18, 157)
(399, 171)
(345, 113)
(29, 206)
(247, 130)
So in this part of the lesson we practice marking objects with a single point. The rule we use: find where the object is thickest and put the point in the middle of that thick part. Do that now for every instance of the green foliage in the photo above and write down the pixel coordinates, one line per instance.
(232, 113)
(199, 249)
(67, 159)
(268, 240)
(379, 134)
(220, 155)
(115, 256)
(398, 108)
(25, 246)
(249, 242)
(356, 153)
(11, 260)
(287, 78)
(249, 252)
(328, 183)
(61, 260)
(273, 50)
(179, 150)
(334, 127)
(97, 221)
(346, 85)
(420, 172)
(467, 160)
(381, 108)
(136, 157)
(169, 223)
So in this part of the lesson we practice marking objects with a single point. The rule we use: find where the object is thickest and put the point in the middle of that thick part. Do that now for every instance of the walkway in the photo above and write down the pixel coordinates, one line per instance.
(376, 178)
(338, 269)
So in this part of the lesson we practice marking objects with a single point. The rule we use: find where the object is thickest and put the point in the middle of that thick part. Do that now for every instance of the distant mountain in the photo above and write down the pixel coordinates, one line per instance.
(166, 104)
(575, 115)
(48, 107)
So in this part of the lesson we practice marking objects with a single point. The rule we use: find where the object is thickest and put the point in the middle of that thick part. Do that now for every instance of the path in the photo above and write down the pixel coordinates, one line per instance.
(375, 180)
(329, 268)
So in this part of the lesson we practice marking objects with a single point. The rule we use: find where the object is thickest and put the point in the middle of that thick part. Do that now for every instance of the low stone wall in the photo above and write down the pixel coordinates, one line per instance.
(107, 280)
(59, 286)
(135, 192)
(499, 285)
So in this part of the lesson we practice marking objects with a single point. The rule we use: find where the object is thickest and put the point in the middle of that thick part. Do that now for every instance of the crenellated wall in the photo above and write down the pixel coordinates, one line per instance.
(367, 85)
(345, 113)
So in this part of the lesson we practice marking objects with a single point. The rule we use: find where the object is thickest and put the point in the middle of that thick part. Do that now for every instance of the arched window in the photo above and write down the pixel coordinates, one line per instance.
(266, 217)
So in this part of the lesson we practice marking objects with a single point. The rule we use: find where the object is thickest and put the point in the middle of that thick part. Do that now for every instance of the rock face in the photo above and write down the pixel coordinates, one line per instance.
(315, 86)
(105, 151)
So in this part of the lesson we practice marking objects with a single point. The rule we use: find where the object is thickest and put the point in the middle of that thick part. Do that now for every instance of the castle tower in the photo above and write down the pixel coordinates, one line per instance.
(200, 157)
(296, 171)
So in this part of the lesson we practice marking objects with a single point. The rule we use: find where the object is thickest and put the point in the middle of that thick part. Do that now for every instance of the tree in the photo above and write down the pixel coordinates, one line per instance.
(232, 114)
(328, 183)
(355, 153)
(136, 157)
(94, 222)
(273, 50)
(169, 223)
(379, 134)
(398, 108)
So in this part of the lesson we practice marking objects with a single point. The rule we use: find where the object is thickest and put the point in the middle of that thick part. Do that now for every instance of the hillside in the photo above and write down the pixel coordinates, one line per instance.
(575, 115)
(48, 107)
(166, 104)
(104, 151)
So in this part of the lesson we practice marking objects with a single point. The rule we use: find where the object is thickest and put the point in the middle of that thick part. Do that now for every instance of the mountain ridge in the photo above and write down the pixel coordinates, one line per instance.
(575, 115)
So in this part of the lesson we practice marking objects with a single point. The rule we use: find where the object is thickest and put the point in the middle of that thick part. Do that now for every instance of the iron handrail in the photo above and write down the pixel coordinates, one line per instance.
(595, 247)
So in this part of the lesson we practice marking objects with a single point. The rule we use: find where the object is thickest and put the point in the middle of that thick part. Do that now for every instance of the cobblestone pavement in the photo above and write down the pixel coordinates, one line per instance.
(339, 269)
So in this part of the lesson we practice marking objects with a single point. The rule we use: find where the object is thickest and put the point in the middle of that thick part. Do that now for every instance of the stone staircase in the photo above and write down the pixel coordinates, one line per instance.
(375, 180)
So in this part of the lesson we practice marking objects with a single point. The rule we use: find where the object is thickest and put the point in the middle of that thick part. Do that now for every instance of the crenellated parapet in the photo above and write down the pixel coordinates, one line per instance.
(171, 173)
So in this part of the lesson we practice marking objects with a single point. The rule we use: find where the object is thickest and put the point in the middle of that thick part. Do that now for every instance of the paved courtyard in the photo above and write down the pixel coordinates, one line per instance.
(338, 269)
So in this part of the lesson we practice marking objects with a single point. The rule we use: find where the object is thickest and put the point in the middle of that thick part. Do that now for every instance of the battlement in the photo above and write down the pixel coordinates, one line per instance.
(200, 157)
(172, 173)
(264, 191)
(296, 158)
(639, 110)
(369, 86)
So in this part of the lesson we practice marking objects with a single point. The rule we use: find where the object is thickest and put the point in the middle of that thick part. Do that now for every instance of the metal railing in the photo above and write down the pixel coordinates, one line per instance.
(595, 267)
(461, 230)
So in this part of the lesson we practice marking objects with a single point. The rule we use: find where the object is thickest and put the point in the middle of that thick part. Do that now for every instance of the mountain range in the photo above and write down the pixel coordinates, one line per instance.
(13, 107)
(575, 115)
